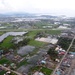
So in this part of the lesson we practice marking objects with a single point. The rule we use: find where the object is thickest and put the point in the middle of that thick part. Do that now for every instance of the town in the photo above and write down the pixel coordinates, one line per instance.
(37, 45)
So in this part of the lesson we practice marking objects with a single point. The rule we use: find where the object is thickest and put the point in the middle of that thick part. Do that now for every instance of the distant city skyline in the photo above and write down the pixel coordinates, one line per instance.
(51, 7)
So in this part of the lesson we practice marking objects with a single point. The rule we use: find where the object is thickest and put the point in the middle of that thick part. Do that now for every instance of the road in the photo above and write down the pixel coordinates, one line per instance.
(63, 56)
(27, 29)
(7, 69)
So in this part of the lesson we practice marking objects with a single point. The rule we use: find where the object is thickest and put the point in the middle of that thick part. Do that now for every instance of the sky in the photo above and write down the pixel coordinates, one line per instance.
(52, 7)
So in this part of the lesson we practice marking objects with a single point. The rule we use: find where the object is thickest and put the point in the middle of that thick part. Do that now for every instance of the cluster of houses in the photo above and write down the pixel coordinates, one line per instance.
(66, 64)
(67, 34)
(60, 50)
(41, 57)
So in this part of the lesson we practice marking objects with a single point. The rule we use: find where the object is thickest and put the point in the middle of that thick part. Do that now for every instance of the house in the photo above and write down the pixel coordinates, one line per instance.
(12, 65)
(38, 73)
(48, 40)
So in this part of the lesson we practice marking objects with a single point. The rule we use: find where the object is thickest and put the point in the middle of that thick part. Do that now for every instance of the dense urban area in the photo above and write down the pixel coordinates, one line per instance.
(37, 45)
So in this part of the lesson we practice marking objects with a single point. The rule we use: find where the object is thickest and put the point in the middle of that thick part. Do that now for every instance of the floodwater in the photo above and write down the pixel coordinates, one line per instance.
(2, 37)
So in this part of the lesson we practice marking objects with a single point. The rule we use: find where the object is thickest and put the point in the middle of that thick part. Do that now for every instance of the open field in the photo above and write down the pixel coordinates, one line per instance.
(2, 72)
(1, 33)
(35, 55)
(32, 33)
(53, 32)
(7, 42)
(36, 43)
(4, 61)
(45, 70)
(24, 62)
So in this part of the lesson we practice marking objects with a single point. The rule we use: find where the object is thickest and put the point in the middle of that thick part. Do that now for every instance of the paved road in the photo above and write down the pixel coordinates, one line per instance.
(63, 56)
(5, 68)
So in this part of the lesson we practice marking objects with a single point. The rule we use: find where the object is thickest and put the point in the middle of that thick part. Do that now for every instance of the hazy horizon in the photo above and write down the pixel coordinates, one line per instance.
(51, 7)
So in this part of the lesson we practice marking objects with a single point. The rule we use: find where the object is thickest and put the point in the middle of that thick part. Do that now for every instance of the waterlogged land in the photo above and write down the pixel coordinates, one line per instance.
(27, 61)
(35, 52)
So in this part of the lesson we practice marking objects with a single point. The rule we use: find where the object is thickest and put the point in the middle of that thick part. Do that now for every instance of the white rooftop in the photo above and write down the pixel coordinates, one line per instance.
(48, 40)
(38, 73)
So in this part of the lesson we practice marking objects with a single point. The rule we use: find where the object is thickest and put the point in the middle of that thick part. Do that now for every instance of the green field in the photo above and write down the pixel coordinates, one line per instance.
(24, 62)
(36, 43)
(53, 32)
(4, 61)
(1, 33)
(2, 72)
(7, 43)
(44, 70)
(33, 33)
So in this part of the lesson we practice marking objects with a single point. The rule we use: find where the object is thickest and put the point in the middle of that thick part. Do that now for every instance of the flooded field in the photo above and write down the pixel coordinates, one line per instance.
(2, 37)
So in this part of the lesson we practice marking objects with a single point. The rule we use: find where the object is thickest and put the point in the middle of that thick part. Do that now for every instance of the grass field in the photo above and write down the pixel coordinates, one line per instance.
(34, 32)
(4, 61)
(24, 62)
(53, 32)
(1, 33)
(7, 43)
(2, 72)
(44, 70)
(36, 43)
(31, 34)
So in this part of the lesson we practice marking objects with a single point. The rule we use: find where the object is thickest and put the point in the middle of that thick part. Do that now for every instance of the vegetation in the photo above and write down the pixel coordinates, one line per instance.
(24, 62)
(7, 43)
(36, 43)
(53, 54)
(2, 72)
(12, 73)
(1, 33)
(40, 33)
(44, 70)
(4, 61)
(73, 47)
(23, 43)
(64, 42)
(53, 32)
(32, 34)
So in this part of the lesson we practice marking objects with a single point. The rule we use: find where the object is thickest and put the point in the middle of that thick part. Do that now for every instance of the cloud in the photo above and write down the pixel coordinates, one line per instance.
(38, 6)
(4, 6)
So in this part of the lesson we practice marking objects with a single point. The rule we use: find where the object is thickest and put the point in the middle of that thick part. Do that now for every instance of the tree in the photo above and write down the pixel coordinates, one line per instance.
(53, 54)
(12, 73)
(24, 42)
(64, 42)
